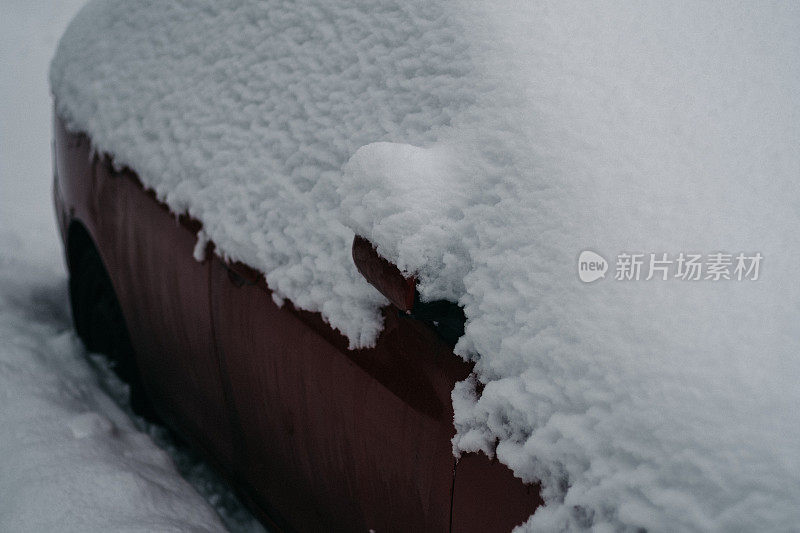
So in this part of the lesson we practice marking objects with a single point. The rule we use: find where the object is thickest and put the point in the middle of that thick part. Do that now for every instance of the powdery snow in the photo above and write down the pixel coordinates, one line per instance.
(72, 460)
(484, 146)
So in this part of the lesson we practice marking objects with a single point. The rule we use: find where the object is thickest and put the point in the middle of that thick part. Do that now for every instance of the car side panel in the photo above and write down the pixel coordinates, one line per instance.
(487, 496)
(167, 291)
(330, 439)
(162, 290)
(338, 439)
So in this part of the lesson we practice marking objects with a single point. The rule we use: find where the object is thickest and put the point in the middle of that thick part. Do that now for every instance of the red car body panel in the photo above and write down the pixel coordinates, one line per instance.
(316, 436)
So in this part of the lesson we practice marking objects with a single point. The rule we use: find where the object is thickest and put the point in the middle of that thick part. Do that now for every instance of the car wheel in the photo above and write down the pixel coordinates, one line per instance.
(101, 326)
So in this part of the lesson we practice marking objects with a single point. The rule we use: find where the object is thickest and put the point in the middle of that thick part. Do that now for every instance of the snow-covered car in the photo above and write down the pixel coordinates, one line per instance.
(449, 265)
(315, 434)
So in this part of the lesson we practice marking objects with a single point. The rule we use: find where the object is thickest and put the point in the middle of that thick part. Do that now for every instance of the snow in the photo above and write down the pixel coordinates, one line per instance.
(484, 147)
(72, 459)
(242, 114)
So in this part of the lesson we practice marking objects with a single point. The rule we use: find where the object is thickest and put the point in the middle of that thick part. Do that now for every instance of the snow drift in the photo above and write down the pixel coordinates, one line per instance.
(484, 147)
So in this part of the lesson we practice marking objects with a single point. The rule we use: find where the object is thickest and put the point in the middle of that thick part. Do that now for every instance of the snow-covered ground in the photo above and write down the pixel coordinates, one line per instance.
(71, 457)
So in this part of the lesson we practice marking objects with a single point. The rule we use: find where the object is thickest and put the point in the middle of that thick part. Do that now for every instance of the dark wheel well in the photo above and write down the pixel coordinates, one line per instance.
(97, 315)
(78, 240)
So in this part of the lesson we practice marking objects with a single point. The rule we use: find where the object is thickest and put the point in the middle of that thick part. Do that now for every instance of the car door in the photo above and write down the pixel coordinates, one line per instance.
(336, 439)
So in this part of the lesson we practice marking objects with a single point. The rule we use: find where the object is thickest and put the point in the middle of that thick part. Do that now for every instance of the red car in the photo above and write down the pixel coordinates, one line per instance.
(315, 436)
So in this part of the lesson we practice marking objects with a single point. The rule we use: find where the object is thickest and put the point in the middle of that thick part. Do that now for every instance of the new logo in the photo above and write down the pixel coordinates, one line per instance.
(591, 266)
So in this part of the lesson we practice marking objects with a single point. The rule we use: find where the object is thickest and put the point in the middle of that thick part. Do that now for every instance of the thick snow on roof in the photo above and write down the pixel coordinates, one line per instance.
(485, 147)
(243, 113)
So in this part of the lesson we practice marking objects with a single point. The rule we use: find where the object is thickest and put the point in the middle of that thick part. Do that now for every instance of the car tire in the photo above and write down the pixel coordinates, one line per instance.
(99, 322)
